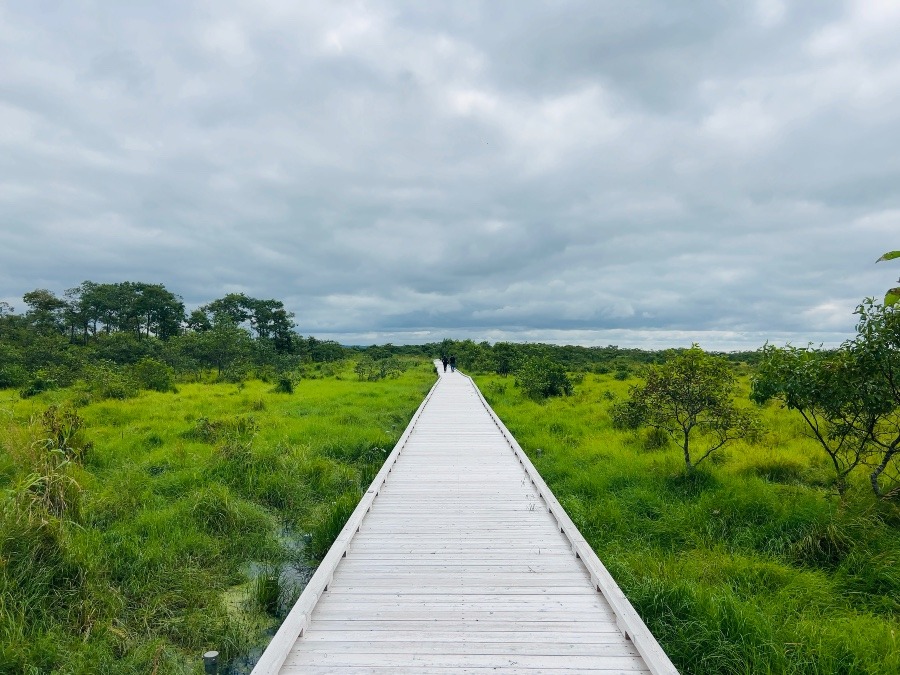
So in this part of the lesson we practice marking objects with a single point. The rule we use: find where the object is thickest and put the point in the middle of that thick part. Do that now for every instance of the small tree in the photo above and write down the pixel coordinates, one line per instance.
(833, 395)
(688, 396)
(877, 352)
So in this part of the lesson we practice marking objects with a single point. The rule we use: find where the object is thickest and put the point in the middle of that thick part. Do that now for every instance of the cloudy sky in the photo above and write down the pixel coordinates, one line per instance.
(645, 173)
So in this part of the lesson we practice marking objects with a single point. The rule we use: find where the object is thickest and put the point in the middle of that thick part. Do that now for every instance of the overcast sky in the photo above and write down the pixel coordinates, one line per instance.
(643, 173)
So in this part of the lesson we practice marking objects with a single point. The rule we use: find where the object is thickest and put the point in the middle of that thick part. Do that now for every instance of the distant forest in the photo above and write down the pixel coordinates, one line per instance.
(97, 329)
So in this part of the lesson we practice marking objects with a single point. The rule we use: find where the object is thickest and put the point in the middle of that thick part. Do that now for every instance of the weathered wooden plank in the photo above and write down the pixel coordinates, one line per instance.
(335, 643)
(571, 626)
(516, 638)
(425, 670)
(538, 662)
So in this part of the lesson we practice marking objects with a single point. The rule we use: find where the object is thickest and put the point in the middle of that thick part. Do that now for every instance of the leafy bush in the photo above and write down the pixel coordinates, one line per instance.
(284, 385)
(12, 369)
(371, 370)
(541, 377)
(39, 383)
(655, 439)
(63, 433)
(106, 380)
(153, 374)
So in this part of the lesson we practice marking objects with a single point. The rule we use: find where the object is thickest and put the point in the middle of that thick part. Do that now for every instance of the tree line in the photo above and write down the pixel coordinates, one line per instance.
(57, 340)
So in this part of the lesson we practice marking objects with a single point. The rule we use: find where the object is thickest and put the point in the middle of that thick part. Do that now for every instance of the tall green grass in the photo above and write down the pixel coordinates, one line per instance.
(169, 535)
(751, 565)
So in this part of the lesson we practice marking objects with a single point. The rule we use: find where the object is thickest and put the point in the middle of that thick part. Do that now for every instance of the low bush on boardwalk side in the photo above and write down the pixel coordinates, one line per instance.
(136, 533)
(750, 563)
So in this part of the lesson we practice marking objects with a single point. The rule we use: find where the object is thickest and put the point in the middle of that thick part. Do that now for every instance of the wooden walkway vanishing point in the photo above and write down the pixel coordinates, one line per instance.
(459, 559)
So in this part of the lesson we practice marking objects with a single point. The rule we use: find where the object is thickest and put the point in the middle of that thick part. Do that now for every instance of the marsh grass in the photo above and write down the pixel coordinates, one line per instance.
(751, 565)
(126, 557)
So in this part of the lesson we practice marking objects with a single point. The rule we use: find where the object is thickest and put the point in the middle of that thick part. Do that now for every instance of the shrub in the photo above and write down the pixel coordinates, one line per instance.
(371, 370)
(541, 377)
(12, 369)
(692, 395)
(106, 380)
(655, 439)
(284, 385)
(155, 375)
(63, 433)
(39, 383)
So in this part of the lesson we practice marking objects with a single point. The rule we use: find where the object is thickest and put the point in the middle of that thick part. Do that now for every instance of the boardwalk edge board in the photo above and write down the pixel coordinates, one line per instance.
(297, 619)
(630, 623)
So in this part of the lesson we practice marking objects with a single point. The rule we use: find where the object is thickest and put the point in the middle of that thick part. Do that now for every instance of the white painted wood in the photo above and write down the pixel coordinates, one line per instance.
(465, 562)
(657, 660)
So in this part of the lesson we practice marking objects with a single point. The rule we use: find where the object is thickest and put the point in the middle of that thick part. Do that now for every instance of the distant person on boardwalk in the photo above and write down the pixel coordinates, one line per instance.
(445, 361)
(453, 364)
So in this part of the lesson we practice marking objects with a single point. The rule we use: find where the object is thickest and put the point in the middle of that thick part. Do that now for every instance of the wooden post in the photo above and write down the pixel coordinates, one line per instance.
(211, 663)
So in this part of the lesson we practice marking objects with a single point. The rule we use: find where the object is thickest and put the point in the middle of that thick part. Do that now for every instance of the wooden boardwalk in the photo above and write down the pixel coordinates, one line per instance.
(460, 560)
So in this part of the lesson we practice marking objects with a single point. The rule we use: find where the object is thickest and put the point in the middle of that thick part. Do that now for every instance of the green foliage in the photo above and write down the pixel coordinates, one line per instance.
(326, 530)
(540, 378)
(876, 351)
(123, 324)
(41, 382)
(892, 297)
(369, 369)
(155, 375)
(848, 397)
(688, 396)
(63, 432)
(104, 381)
(284, 385)
(12, 367)
(237, 428)
(828, 392)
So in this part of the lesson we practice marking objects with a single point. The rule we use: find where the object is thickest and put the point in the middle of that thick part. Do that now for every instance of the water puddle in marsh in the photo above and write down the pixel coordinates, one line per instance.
(261, 603)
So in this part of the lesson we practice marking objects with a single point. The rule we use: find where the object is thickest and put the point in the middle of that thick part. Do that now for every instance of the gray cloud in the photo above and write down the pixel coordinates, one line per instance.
(579, 171)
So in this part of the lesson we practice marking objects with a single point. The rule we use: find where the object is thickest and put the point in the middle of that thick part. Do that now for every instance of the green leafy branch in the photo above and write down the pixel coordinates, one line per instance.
(893, 295)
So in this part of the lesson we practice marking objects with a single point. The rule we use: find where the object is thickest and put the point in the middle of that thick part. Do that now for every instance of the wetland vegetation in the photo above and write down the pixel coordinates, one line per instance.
(166, 485)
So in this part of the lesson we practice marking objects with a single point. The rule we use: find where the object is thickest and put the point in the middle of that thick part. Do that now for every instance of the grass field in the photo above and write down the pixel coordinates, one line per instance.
(166, 525)
(749, 566)
(173, 523)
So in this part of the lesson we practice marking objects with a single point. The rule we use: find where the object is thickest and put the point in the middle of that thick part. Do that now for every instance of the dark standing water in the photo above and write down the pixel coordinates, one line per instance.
(292, 575)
